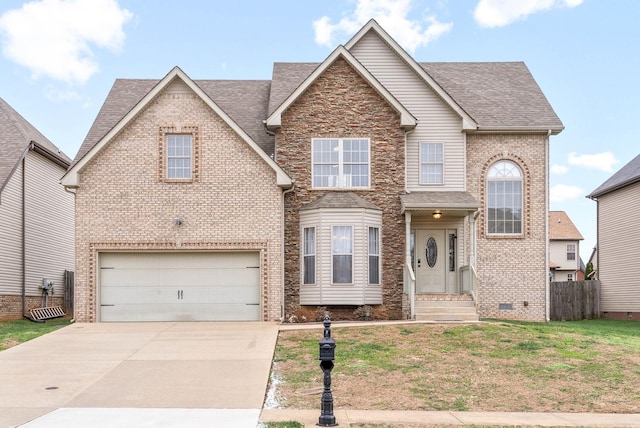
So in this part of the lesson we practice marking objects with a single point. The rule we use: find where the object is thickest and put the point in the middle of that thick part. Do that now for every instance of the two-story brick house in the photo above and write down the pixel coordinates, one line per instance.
(389, 183)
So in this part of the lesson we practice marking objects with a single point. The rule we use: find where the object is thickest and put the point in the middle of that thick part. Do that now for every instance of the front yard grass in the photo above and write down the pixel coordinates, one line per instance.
(13, 333)
(583, 366)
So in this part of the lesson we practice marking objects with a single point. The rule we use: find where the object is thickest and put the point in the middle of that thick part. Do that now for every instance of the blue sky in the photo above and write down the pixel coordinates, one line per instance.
(60, 57)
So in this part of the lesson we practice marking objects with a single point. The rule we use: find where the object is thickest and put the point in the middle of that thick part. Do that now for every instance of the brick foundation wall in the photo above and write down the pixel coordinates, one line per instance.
(623, 316)
(341, 104)
(123, 203)
(512, 270)
(11, 306)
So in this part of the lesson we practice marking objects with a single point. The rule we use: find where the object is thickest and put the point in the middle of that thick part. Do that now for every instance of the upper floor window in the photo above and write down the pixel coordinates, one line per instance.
(179, 156)
(340, 162)
(571, 251)
(431, 163)
(504, 198)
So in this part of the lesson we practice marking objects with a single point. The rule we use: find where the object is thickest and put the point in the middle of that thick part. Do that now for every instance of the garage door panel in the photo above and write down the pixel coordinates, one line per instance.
(179, 286)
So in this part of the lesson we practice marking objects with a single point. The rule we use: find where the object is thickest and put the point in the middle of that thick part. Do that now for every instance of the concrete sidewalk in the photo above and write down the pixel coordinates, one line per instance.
(155, 373)
(345, 418)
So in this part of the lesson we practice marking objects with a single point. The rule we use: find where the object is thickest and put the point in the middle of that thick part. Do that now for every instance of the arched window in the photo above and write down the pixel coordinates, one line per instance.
(504, 198)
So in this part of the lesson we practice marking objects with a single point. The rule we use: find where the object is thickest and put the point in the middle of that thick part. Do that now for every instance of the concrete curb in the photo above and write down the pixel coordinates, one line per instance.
(347, 417)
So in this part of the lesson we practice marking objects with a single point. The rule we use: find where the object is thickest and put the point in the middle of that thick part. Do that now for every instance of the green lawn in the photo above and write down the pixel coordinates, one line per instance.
(15, 332)
(590, 366)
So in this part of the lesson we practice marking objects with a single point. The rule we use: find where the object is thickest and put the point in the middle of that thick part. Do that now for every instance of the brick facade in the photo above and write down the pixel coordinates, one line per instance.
(123, 204)
(11, 306)
(341, 104)
(512, 270)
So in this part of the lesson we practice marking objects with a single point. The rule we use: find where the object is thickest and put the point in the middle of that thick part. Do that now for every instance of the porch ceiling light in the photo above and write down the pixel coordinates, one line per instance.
(437, 214)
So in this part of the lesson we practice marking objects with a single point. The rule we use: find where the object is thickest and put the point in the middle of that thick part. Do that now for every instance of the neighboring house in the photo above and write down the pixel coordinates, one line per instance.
(564, 248)
(366, 179)
(36, 214)
(616, 253)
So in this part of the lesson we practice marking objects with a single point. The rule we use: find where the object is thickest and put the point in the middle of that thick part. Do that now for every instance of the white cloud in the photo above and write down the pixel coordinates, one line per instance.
(498, 13)
(53, 38)
(563, 192)
(390, 14)
(559, 169)
(600, 161)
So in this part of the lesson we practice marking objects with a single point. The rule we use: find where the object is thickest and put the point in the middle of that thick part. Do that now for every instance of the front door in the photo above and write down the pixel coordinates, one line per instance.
(430, 258)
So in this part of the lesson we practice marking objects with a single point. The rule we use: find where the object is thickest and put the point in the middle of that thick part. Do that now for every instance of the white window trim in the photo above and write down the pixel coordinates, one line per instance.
(190, 157)
(420, 163)
(352, 227)
(341, 176)
(571, 252)
(304, 255)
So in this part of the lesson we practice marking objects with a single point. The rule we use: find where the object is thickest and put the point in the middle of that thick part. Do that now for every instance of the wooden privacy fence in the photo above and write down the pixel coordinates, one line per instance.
(575, 300)
(68, 291)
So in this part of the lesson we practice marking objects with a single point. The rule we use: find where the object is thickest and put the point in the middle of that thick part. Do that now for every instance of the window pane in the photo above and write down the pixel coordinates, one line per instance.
(341, 240)
(309, 270)
(342, 270)
(179, 148)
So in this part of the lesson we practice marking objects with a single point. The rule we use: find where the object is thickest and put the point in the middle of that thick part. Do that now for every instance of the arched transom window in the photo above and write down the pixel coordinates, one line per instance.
(504, 198)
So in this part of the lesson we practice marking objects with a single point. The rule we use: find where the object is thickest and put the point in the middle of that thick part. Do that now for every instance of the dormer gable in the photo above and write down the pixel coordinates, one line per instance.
(407, 120)
(372, 26)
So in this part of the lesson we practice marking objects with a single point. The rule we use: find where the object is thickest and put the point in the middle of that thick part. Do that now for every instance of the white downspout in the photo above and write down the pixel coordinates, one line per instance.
(282, 314)
(546, 228)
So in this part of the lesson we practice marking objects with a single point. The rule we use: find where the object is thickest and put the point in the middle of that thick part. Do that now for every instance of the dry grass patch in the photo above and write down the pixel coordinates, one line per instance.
(588, 366)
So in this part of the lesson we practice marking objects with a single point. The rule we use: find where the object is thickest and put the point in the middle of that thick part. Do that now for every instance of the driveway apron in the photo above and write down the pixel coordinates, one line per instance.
(96, 374)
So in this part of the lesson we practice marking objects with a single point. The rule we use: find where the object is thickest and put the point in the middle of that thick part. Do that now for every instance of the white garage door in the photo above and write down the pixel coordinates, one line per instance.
(180, 286)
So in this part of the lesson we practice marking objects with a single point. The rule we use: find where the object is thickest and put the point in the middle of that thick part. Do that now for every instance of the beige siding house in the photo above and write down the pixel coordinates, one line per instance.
(618, 242)
(564, 247)
(37, 233)
(364, 183)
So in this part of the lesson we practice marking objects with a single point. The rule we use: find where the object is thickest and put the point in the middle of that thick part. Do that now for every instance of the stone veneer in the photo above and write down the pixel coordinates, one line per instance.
(123, 204)
(341, 104)
(512, 270)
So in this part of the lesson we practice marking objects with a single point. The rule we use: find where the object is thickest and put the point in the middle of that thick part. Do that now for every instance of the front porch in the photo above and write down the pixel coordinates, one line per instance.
(439, 272)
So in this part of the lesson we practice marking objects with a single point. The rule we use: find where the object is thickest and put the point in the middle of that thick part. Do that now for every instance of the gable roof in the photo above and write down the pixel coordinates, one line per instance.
(407, 120)
(561, 228)
(628, 174)
(128, 98)
(488, 96)
(467, 122)
(17, 136)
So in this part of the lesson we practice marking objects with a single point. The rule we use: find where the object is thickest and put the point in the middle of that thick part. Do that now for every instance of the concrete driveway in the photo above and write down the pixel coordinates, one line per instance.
(138, 374)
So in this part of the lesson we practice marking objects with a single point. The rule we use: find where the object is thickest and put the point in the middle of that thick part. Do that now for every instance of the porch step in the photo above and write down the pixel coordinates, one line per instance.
(445, 310)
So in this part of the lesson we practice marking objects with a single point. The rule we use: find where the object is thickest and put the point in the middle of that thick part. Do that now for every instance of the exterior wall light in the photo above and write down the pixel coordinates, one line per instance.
(437, 214)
